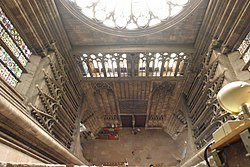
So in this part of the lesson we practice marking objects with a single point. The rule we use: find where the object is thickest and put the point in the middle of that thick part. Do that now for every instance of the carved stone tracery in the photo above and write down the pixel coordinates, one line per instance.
(58, 104)
(205, 113)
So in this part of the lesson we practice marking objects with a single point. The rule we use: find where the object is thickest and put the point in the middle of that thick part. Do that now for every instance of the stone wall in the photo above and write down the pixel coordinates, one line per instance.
(9, 154)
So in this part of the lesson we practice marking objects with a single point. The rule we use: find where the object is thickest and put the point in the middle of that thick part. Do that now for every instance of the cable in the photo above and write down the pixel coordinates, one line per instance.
(205, 155)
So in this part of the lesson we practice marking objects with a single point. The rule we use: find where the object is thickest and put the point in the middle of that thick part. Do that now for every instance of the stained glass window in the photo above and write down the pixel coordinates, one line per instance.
(12, 46)
(10, 63)
(15, 35)
(244, 50)
(7, 76)
(14, 53)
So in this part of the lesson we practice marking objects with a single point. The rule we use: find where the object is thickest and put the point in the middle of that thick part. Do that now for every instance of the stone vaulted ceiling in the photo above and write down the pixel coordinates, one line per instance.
(152, 102)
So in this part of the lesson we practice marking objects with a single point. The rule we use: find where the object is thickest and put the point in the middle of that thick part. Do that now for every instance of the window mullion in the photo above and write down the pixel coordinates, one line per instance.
(12, 56)
(14, 41)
